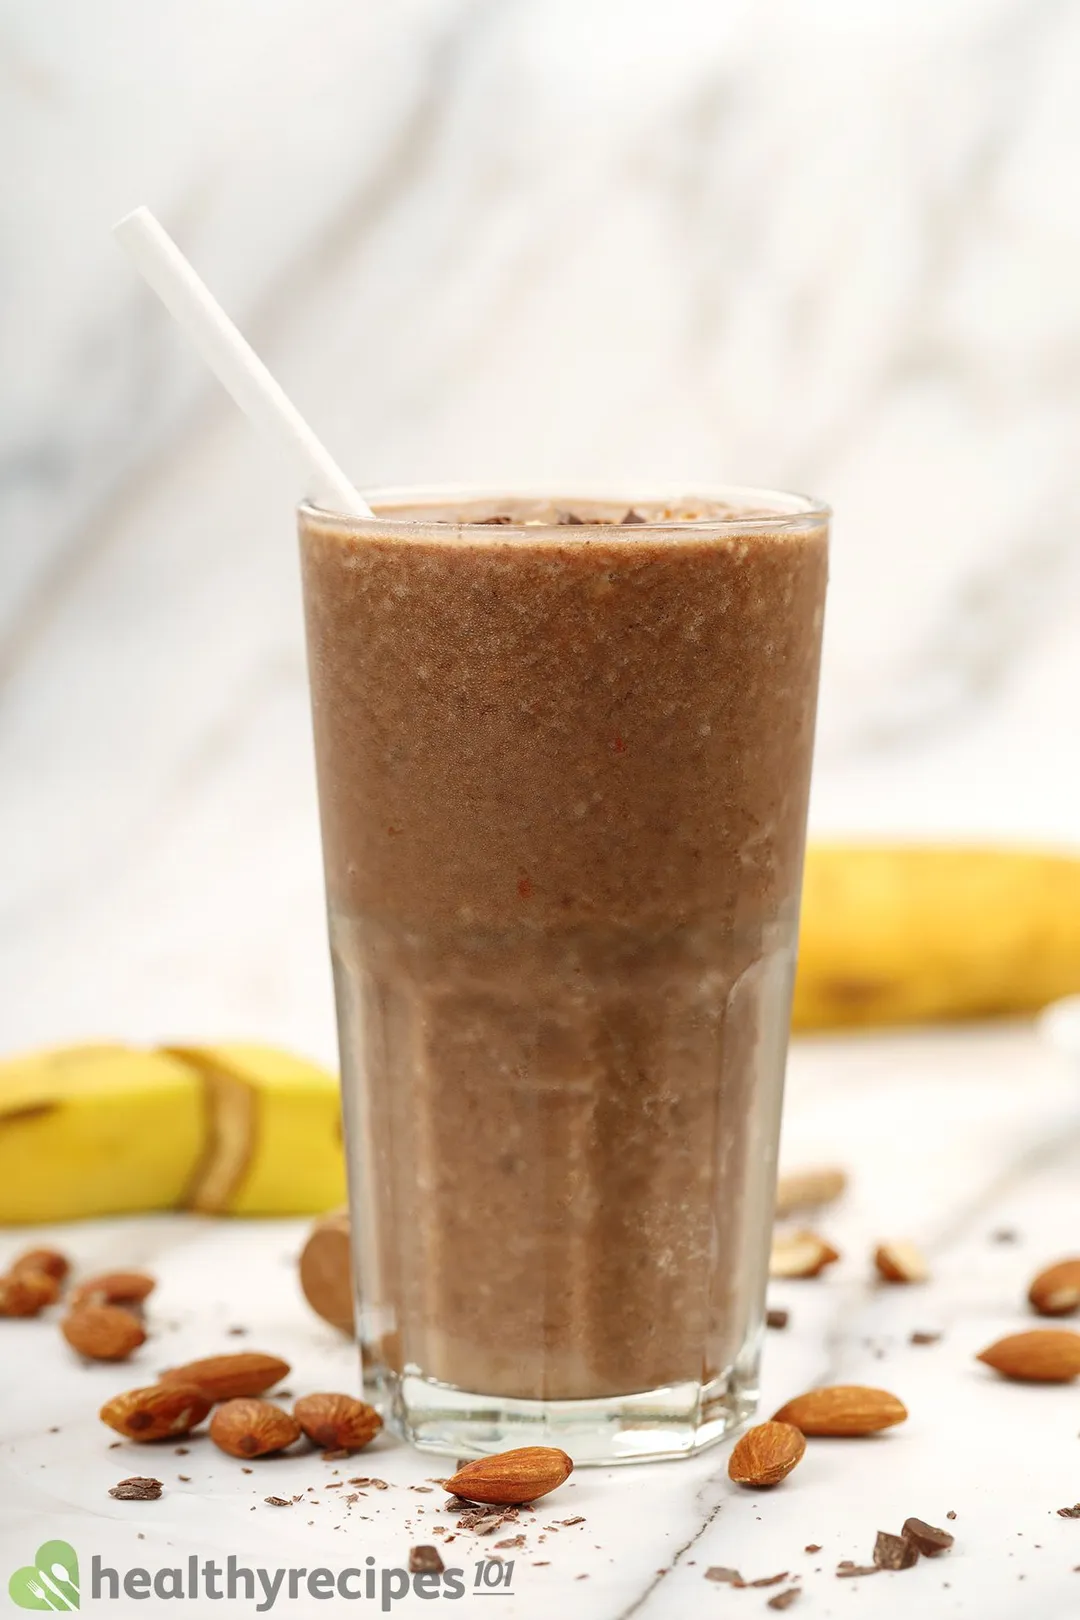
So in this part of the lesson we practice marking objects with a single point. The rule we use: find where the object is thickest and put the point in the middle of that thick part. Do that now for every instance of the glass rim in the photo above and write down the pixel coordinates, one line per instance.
(786, 509)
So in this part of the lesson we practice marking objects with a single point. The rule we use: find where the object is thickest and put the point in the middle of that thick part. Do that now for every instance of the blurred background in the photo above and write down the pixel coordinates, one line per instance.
(831, 247)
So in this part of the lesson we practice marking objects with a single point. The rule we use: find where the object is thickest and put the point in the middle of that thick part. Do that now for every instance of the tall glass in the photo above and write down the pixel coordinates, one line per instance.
(563, 746)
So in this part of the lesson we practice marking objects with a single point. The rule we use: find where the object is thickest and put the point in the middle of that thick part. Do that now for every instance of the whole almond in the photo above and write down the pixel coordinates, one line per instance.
(901, 1262)
(251, 1428)
(1041, 1356)
(1056, 1291)
(25, 1293)
(50, 1261)
(339, 1422)
(800, 1254)
(227, 1378)
(842, 1410)
(512, 1477)
(155, 1413)
(114, 1288)
(766, 1454)
(808, 1189)
(103, 1332)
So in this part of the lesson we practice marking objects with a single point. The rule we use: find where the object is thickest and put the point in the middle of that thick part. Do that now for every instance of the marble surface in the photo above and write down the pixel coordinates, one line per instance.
(953, 1139)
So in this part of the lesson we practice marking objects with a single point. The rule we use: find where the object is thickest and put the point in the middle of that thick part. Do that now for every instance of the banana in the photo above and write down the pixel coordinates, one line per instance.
(109, 1129)
(899, 934)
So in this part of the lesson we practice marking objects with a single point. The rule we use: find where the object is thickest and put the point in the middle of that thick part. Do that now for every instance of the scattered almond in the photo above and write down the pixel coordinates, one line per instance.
(156, 1413)
(800, 1254)
(225, 1378)
(808, 1189)
(103, 1332)
(1056, 1291)
(114, 1288)
(512, 1476)
(842, 1410)
(337, 1421)
(25, 1293)
(1041, 1356)
(50, 1261)
(901, 1263)
(252, 1428)
(766, 1454)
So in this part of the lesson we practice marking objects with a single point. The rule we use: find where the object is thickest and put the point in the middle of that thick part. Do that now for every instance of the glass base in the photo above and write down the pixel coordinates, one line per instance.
(675, 1421)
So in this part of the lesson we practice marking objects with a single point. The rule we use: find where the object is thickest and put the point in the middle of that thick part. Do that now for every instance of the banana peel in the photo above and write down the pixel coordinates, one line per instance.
(110, 1129)
(902, 934)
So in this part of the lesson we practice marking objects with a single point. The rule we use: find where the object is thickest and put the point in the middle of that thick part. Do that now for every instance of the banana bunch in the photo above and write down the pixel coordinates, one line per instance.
(895, 934)
(110, 1130)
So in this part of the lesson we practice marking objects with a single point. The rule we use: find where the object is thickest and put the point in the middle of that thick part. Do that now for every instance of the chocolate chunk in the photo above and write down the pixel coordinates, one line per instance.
(895, 1552)
(769, 1580)
(632, 517)
(730, 1576)
(924, 1336)
(277, 1501)
(137, 1489)
(812, 1546)
(776, 1319)
(951, 1514)
(425, 1561)
(1068, 1513)
(784, 1600)
(846, 1569)
(927, 1537)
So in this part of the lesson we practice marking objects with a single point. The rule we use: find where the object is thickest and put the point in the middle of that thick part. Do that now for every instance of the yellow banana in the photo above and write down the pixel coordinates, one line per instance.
(895, 934)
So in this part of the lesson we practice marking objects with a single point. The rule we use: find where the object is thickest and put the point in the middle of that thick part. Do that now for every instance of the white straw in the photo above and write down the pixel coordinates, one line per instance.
(233, 360)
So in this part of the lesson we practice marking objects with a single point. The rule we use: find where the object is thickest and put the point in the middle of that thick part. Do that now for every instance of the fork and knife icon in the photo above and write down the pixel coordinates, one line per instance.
(50, 1582)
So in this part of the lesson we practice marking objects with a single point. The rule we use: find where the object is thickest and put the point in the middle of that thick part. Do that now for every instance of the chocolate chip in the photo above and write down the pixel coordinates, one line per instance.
(928, 1538)
(924, 1336)
(895, 1552)
(277, 1501)
(784, 1600)
(776, 1319)
(425, 1561)
(633, 517)
(137, 1489)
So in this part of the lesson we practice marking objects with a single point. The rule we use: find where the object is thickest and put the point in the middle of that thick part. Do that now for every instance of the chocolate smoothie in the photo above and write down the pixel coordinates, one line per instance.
(563, 753)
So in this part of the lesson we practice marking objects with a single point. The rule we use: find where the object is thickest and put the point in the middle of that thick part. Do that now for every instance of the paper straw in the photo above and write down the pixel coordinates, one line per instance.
(233, 360)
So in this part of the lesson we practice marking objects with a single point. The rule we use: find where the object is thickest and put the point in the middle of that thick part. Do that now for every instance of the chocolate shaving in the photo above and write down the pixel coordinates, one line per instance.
(277, 1501)
(512, 1541)
(929, 1539)
(776, 1319)
(339, 1454)
(769, 1580)
(895, 1552)
(632, 517)
(376, 1484)
(579, 1518)
(846, 1569)
(1069, 1513)
(425, 1561)
(136, 1489)
(783, 1600)
(501, 518)
(924, 1336)
(812, 1546)
(730, 1577)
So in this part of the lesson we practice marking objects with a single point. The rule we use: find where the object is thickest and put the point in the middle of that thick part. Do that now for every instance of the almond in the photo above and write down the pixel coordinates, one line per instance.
(1056, 1291)
(808, 1189)
(155, 1413)
(114, 1288)
(251, 1428)
(766, 1454)
(338, 1422)
(800, 1254)
(512, 1477)
(103, 1332)
(1042, 1356)
(225, 1378)
(901, 1262)
(842, 1409)
(25, 1293)
(50, 1261)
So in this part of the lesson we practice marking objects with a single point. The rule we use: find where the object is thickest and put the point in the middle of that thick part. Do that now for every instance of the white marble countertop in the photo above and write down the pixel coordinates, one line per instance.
(951, 1138)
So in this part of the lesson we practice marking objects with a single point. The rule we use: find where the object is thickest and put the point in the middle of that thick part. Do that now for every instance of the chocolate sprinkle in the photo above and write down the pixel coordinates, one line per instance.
(137, 1489)
(425, 1561)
